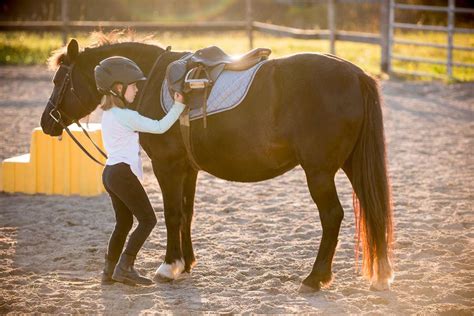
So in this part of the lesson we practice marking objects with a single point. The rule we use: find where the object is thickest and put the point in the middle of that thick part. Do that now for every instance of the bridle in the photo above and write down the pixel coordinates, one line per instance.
(57, 114)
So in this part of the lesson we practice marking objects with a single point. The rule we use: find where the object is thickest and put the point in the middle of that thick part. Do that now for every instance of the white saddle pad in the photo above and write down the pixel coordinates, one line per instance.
(227, 92)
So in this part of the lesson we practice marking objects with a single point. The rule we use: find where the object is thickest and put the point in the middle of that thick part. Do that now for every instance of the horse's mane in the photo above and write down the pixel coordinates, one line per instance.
(100, 39)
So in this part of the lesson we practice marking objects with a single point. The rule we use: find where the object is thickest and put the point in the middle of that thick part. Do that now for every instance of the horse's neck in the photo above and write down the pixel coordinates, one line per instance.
(144, 55)
(145, 58)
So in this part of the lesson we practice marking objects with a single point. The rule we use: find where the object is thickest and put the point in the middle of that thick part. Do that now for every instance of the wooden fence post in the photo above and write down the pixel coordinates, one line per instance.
(391, 35)
(449, 66)
(65, 19)
(249, 22)
(332, 26)
(384, 35)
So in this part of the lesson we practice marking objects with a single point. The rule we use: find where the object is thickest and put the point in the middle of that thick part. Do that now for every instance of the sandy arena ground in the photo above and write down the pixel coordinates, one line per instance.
(254, 242)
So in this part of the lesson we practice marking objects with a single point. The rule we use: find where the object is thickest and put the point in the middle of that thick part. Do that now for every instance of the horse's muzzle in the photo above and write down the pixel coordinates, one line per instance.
(49, 121)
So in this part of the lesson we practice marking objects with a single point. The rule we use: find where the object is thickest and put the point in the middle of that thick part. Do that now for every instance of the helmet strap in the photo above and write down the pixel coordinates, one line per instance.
(120, 95)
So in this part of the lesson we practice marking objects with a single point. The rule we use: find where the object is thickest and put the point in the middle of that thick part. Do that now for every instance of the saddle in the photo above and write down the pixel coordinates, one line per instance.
(194, 75)
(213, 56)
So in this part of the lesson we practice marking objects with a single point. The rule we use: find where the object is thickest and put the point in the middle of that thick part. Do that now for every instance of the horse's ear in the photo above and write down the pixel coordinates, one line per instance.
(72, 50)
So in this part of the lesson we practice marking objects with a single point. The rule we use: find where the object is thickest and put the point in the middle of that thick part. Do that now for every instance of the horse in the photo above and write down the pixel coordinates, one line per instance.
(309, 109)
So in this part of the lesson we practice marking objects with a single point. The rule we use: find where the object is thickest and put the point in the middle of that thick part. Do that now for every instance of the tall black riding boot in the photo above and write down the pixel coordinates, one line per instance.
(125, 273)
(109, 267)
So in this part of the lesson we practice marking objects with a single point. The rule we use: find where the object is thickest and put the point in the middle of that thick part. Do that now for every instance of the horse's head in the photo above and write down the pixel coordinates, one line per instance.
(74, 94)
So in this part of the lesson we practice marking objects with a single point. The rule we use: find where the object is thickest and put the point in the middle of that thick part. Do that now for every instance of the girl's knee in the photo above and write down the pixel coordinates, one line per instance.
(148, 222)
(152, 221)
(123, 226)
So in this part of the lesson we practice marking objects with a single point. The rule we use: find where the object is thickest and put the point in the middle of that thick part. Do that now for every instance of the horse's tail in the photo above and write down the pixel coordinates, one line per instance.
(372, 201)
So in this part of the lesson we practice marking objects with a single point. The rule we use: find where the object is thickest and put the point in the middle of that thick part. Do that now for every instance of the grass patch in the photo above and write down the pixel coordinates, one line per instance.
(460, 56)
(22, 48)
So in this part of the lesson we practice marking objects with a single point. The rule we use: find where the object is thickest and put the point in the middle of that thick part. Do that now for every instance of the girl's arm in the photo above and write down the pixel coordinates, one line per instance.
(140, 123)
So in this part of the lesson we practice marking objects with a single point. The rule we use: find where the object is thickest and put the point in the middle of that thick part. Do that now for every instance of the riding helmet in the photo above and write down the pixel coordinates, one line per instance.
(116, 69)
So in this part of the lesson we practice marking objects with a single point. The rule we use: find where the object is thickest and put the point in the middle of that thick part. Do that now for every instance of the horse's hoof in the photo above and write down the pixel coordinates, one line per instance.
(169, 272)
(158, 278)
(380, 285)
(307, 289)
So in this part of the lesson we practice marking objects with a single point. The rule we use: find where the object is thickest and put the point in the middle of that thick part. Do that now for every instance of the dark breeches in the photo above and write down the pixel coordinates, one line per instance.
(128, 199)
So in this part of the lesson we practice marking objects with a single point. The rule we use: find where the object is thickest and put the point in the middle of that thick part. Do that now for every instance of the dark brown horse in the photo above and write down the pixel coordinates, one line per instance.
(313, 110)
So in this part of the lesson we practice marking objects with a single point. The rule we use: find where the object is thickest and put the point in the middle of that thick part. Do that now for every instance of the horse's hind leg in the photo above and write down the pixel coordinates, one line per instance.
(323, 191)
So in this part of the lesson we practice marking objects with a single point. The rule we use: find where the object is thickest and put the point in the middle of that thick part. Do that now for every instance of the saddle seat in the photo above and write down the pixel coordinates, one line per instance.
(213, 56)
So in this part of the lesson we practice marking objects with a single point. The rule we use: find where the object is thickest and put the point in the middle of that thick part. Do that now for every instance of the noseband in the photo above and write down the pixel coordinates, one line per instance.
(56, 115)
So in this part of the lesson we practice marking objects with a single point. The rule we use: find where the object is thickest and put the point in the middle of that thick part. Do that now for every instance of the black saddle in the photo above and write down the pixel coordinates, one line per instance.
(194, 75)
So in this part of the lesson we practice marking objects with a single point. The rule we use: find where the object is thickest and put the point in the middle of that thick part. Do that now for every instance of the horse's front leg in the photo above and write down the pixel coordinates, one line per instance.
(172, 178)
(189, 189)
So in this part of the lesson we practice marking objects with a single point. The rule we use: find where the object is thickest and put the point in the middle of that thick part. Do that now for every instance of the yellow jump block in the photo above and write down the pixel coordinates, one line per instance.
(18, 175)
(56, 166)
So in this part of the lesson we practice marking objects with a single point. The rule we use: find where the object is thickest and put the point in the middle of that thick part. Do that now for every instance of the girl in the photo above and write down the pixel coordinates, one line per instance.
(116, 78)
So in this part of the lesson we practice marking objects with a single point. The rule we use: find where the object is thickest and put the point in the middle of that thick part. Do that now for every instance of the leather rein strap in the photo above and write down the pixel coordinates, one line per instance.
(185, 127)
(80, 145)
(59, 119)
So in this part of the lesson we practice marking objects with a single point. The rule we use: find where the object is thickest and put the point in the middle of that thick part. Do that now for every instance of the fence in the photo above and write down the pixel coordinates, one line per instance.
(332, 34)
(385, 38)
(450, 29)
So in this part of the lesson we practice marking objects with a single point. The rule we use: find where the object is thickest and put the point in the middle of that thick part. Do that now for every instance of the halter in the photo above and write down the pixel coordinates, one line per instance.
(56, 115)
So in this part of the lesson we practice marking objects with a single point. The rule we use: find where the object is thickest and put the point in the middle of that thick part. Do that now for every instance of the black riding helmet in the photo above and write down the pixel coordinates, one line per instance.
(116, 69)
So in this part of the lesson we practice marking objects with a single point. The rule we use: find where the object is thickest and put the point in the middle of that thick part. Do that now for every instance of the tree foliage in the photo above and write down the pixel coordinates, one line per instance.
(308, 14)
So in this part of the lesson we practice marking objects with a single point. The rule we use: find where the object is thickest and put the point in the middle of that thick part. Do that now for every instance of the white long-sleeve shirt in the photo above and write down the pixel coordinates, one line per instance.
(120, 129)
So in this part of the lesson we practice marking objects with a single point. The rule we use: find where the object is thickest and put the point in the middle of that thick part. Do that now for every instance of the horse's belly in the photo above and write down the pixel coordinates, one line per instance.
(244, 159)
(246, 173)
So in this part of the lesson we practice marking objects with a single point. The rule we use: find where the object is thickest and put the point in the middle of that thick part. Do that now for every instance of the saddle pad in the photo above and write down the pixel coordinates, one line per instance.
(227, 92)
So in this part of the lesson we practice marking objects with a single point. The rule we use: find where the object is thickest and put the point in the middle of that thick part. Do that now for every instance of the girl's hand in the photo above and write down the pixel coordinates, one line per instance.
(178, 97)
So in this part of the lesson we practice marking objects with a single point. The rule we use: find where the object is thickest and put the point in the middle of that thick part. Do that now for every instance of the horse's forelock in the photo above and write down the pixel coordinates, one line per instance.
(99, 38)
(57, 56)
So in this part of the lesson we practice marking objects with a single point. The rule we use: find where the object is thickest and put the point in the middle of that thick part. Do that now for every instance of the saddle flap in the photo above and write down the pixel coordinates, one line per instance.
(175, 74)
(215, 72)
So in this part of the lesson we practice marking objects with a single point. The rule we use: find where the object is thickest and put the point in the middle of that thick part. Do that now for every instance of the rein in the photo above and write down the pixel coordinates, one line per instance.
(58, 118)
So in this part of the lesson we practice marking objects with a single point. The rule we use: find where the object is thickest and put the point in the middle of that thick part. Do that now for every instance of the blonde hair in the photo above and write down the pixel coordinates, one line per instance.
(109, 101)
